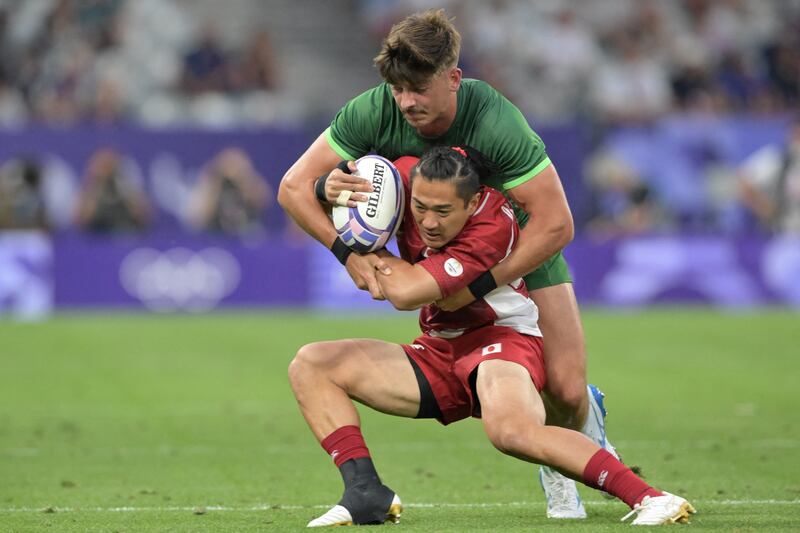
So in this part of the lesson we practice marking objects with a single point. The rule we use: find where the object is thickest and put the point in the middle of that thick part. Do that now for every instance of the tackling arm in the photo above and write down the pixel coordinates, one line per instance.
(296, 192)
(296, 196)
(549, 229)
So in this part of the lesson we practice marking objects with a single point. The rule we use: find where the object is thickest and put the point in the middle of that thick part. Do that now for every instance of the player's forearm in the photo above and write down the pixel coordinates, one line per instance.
(549, 227)
(538, 241)
(408, 287)
(296, 196)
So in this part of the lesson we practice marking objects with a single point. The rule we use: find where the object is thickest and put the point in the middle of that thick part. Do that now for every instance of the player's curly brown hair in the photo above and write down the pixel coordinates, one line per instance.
(417, 48)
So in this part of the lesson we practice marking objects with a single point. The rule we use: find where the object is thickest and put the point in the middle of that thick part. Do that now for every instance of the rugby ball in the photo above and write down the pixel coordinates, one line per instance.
(369, 226)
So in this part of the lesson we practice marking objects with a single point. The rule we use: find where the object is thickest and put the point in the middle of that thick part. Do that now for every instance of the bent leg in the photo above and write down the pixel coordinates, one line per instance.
(564, 354)
(325, 376)
(513, 417)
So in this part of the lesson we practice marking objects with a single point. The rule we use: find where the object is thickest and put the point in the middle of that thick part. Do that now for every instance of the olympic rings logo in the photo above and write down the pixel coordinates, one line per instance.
(179, 278)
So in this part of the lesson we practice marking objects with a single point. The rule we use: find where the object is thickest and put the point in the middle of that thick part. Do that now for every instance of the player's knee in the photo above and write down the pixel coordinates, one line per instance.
(297, 370)
(307, 362)
(507, 436)
(320, 360)
(568, 396)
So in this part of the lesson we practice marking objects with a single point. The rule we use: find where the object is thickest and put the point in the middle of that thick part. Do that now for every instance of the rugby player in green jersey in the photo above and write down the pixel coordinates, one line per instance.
(424, 101)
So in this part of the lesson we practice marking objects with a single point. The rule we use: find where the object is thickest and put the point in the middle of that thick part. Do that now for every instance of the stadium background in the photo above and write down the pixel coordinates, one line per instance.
(652, 112)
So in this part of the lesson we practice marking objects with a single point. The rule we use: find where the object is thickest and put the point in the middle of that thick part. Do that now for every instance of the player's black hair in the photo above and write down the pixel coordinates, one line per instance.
(465, 166)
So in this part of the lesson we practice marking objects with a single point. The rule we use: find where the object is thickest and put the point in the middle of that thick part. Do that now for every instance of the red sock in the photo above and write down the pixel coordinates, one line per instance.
(606, 472)
(344, 444)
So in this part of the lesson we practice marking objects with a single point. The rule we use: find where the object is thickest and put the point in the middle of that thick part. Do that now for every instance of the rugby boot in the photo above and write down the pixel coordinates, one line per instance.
(664, 509)
(595, 425)
(362, 505)
(563, 500)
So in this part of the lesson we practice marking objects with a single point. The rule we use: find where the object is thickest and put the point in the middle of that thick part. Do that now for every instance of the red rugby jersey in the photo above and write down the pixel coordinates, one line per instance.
(487, 238)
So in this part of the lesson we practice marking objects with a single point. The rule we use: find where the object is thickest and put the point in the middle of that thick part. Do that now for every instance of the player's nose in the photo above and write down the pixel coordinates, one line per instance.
(429, 221)
(407, 101)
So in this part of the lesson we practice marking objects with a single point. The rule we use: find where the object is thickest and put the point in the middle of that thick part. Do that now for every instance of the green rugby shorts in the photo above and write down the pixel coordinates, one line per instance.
(554, 271)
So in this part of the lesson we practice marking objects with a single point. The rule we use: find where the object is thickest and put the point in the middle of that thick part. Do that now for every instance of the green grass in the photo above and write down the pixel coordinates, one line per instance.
(132, 423)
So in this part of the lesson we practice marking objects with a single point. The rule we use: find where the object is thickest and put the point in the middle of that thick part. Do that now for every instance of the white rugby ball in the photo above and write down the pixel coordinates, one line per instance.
(369, 226)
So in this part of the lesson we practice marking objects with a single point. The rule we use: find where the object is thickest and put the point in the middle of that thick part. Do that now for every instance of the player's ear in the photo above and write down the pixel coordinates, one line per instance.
(472, 205)
(455, 78)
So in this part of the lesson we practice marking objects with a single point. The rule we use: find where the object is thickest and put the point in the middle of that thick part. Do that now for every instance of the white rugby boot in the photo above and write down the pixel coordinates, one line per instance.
(563, 500)
(338, 515)
(657, 510)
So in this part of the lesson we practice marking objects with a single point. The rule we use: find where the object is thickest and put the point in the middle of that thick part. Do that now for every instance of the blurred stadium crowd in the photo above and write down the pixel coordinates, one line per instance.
(626, 61)
(154, 62)
(227, 196)
(609, 61)
(670, 71)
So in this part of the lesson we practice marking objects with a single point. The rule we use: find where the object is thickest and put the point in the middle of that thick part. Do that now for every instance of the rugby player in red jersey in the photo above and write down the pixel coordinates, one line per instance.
(483, 360)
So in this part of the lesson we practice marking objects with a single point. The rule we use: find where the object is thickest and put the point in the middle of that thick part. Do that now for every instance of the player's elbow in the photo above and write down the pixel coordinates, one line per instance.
(403, 299)
(566, 232)
(405, 305)
(402, 302)
(290, 190)
(561, 230)
(286, 191)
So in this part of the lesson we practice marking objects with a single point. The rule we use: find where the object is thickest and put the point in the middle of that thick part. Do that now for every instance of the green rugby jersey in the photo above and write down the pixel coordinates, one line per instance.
(485, 120)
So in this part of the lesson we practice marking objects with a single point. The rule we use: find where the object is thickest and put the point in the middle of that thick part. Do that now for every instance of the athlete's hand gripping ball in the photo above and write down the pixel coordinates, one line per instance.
(345, 189)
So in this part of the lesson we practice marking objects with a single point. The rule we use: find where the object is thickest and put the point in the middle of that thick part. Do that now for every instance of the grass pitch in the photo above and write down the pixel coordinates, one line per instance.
(160, 423)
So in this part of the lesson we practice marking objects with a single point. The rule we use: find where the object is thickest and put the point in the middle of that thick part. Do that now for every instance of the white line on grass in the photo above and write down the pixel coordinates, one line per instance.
(408, 446)
(278, 507)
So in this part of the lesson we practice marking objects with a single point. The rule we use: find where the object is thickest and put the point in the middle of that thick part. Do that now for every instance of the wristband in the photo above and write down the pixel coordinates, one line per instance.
(343, 166)
(340, 250)
(483, 285)
(319, 188)
(319, 185)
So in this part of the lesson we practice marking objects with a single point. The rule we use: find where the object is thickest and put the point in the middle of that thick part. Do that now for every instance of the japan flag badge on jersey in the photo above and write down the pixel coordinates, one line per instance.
(492, 348)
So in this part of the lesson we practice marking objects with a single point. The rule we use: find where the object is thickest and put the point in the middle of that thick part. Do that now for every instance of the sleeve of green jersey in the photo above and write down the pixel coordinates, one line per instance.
(522, 154)
(352, 130)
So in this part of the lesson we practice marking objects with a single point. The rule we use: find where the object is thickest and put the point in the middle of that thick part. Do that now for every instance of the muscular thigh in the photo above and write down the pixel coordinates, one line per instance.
(564, 348)
(507, 393)
(377, 374)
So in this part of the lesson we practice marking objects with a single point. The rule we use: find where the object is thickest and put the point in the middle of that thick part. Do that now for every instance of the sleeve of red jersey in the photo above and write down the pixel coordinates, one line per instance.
(488, 237)
(404, 166)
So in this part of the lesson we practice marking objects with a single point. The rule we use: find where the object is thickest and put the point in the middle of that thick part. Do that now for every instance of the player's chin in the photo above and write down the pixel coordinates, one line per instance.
(433, 242)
